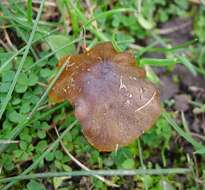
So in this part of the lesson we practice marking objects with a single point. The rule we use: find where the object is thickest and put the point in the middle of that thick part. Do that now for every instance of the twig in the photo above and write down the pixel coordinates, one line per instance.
(90, 13)
(9, 41)
(107, 182)
(8, 142)
(173, 29)
(48, 3)
(135, 46)
(198, 1)
(43, 107)
(4, 45)
(42, 84)
(147, 103)
(139, 6)
(198, 136)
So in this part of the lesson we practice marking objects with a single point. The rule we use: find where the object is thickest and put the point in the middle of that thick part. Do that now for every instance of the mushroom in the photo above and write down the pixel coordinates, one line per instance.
(113, 101)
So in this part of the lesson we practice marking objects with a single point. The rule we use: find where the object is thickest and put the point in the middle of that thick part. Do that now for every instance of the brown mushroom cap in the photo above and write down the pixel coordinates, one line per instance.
(113, 101)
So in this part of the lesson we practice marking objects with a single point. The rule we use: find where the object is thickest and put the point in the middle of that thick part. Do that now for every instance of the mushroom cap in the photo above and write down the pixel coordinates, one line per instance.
(113, 101)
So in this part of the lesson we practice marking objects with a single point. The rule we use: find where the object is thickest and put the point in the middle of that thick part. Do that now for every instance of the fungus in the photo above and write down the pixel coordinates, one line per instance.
(113, 101)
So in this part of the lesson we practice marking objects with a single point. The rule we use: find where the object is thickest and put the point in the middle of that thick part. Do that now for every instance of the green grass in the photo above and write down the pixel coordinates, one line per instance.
(5, 64)
(16, 131)
(36, 162)
(30, 151)
(11, 89)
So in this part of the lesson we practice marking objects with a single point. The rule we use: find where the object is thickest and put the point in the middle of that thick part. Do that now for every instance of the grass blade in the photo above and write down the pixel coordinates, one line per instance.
(118, 172)
(29, 11)
(158, 62)
(183, 134)
(182, 58)
(107, 13)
